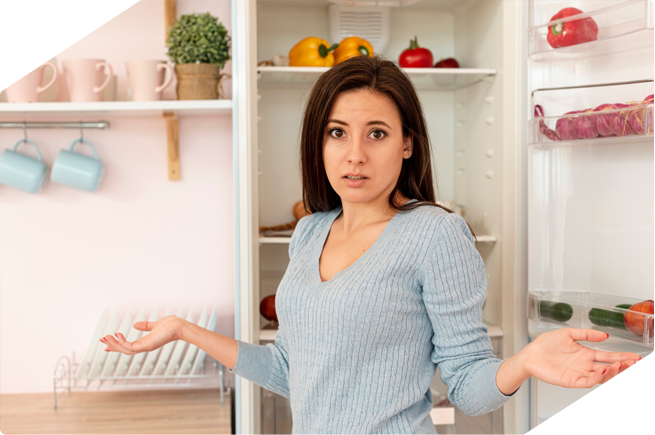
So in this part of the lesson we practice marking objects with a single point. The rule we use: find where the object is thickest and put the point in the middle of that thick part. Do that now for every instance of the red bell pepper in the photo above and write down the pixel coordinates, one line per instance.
(572, 32)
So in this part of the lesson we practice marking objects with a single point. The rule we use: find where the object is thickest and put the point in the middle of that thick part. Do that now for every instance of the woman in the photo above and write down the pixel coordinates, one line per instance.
(383, 284)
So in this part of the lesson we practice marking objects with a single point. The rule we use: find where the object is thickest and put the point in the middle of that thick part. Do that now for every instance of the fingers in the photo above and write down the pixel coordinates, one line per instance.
(610, 371)
(579, 334)
(120, 345)
(612, 357)
(143, 326)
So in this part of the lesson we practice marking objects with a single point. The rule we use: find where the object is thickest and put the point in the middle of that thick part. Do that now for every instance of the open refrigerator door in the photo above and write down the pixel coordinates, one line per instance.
(590, 178)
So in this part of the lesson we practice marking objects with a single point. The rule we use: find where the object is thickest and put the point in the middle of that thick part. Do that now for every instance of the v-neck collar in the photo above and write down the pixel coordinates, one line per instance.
(320, 244)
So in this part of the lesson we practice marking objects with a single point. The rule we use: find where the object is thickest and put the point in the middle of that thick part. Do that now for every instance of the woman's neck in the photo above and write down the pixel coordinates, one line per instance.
(358, 215)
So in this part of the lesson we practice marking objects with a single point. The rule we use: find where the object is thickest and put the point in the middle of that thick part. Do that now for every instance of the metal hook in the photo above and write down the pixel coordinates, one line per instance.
(25, 131)
(81, 132)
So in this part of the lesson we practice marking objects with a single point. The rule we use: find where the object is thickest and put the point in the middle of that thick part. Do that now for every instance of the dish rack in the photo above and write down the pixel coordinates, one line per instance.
(175, 365)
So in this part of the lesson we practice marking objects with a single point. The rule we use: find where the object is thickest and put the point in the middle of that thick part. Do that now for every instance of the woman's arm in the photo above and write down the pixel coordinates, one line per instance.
(220, 347)
(267, 366)
(512, 373)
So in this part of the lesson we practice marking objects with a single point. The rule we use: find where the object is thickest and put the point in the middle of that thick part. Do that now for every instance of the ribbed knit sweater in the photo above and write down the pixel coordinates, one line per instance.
(357, 353)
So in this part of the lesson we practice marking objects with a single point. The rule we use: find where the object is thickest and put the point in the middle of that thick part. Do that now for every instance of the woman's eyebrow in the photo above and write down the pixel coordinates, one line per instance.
(368, 123)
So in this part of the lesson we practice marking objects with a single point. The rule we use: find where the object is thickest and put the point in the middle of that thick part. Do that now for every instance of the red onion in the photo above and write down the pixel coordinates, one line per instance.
(583, 126)
(602, 122)
(619, 121)
(543, 128)
(637, 117)
(564, 127)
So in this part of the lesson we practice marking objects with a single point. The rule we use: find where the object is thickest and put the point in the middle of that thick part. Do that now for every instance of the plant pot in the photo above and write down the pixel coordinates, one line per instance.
(198, 81)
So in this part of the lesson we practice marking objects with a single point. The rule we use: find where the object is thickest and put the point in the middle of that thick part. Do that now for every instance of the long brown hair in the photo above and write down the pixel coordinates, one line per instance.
(382, 77)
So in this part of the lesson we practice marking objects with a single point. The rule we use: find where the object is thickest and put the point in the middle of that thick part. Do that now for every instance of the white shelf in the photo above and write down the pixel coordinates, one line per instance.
(282, 240)
(121, 108)
(274, 240)
(436, 78)
(269, 334)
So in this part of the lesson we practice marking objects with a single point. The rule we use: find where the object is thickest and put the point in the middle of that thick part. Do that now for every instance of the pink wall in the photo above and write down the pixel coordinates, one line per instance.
(66, 254)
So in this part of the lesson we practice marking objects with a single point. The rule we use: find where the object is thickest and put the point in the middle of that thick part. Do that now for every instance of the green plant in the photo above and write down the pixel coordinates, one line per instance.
(199, 38)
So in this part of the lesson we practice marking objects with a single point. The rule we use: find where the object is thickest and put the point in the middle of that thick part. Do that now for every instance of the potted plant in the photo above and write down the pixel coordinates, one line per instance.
(199, 46)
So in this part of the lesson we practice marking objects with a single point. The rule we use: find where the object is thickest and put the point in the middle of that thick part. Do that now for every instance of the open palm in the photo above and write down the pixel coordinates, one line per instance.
(557, 358)
(162, 331)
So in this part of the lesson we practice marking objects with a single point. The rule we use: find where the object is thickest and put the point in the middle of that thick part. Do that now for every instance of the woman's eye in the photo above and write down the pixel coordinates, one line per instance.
(336, 133)
(378, 134)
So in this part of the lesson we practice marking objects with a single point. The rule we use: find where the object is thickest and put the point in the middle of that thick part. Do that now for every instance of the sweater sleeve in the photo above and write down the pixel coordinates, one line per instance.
(454, 288)
(265, 365)
(268, 365)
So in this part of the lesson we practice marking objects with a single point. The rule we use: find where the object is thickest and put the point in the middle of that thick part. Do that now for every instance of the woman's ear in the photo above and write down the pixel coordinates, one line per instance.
(408, 146)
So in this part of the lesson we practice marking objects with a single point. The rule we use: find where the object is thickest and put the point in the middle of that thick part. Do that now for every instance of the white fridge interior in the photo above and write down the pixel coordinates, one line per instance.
(465, 114)
(590, 193)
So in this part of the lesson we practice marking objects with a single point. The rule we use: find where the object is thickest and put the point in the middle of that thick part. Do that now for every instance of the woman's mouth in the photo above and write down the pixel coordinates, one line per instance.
(353, 181)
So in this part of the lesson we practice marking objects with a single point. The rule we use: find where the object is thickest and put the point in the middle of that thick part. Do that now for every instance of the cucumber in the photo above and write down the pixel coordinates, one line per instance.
(613, 319)
(557, 311)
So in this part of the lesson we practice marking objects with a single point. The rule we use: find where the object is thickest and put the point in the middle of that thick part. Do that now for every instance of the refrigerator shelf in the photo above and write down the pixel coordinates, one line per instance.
(423, 78)
(623, 26)
(606, 112)
(554, 309)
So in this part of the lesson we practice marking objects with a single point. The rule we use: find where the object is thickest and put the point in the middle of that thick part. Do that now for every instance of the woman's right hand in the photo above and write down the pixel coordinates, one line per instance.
(162, 331)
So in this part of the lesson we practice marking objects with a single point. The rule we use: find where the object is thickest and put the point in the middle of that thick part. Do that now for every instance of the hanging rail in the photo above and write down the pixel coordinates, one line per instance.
(100, 125)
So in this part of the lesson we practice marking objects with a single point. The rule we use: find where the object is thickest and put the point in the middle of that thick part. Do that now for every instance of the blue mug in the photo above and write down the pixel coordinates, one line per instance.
(23, 172)
(77, 170)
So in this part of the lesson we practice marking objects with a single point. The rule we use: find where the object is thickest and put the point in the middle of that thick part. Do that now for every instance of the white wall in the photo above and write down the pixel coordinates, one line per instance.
(66, 254)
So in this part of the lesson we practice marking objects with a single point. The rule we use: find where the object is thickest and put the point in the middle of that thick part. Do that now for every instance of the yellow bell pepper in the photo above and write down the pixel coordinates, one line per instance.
(312, 51)
(351, 47)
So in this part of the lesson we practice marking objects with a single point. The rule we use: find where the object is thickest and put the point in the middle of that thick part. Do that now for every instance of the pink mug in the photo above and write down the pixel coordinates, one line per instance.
(83, 76)
(145, 76)
(27, 89)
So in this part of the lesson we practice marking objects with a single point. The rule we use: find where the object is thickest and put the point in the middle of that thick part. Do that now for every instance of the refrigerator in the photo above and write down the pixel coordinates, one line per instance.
(564, 223)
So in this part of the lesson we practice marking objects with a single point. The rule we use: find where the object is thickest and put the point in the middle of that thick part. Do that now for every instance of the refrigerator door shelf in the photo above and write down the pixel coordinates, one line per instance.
(622, 26)
(601, 112)
(552, 309)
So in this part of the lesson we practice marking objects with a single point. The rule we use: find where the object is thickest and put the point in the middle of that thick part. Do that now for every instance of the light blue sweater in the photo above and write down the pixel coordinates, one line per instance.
(357, 353)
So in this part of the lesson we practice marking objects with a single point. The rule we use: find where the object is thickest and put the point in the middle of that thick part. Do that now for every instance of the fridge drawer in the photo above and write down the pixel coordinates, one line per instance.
(550, 309)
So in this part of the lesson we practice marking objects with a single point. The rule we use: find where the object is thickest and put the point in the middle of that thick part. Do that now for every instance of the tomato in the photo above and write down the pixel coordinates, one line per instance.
(447, 63)
(415, 56)
(634, 321)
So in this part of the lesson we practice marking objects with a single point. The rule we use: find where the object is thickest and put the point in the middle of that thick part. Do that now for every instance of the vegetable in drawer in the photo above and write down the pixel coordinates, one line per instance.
(614, 319)
(557, 311)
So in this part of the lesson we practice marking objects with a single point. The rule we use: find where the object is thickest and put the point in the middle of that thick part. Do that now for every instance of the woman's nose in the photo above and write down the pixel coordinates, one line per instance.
(356, 152)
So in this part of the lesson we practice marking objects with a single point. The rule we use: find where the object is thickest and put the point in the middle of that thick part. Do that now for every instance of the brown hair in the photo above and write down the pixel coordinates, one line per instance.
(382, 77)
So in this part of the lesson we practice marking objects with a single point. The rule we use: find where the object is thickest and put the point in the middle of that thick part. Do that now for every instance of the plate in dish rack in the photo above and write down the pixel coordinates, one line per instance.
(133, 334)
(151, 358)
(201, 353)
(174, 363)
(192, 351)
(100, 354)
(137, 361)
(166, 352)
(85, 365)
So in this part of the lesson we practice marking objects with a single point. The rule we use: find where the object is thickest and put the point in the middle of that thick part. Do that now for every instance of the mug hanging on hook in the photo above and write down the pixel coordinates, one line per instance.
(21, 171)
(77, 170)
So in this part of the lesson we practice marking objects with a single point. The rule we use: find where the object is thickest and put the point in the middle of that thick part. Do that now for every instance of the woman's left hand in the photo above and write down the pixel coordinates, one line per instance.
(557, 358)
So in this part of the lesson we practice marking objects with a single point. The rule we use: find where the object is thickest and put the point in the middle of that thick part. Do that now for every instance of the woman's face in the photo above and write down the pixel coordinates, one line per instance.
(363, 136)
